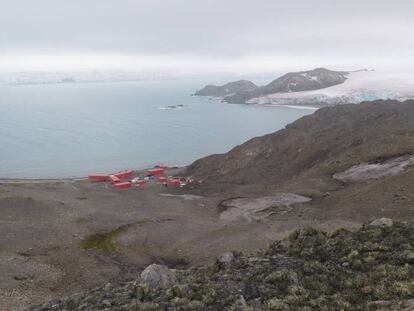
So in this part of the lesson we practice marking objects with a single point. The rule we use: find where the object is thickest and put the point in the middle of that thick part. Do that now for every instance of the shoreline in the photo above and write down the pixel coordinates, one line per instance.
(293, 106)
(220, 100)
(11, 180)
(40, 180)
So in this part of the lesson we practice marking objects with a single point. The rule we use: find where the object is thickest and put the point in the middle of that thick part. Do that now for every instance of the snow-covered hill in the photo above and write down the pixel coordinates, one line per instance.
(359, 86)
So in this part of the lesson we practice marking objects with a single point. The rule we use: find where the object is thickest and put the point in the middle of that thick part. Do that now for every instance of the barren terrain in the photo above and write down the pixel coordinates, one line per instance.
(63, 237)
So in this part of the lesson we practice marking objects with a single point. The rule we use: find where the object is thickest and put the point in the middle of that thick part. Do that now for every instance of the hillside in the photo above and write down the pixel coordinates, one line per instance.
(348, 159)
(370, 269)
(316, 146)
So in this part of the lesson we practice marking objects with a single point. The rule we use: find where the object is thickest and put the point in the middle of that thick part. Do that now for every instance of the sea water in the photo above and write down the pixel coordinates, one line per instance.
(72, 129)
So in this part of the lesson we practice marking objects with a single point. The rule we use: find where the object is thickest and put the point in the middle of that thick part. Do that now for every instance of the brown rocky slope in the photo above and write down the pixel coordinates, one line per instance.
(315, 147)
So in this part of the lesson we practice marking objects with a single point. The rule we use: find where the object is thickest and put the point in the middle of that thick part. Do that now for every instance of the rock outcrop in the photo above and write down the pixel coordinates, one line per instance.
(227, 89)
(382, 222)
(157, 276)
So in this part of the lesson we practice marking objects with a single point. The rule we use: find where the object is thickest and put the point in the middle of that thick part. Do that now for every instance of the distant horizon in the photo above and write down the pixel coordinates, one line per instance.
(182, 65)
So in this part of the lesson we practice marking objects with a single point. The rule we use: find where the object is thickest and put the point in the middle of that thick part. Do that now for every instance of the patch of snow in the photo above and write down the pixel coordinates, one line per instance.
(296, 107)
(368, 171)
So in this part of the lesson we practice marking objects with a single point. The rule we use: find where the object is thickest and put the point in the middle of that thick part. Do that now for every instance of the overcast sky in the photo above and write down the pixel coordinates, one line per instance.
(206, 36)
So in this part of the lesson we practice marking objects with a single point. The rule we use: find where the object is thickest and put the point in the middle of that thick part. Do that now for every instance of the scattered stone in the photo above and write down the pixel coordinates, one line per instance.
(240, 305)
(158, 276)
(108, 286)
(20, 277)
(226, 258)
(382, 222)
(106, 303)
(283, 245)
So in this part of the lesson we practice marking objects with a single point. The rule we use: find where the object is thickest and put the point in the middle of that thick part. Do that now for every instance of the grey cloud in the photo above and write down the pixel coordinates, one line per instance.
(213, 28)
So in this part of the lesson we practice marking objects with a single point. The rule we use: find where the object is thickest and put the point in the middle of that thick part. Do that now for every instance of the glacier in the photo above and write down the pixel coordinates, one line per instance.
(366, 85)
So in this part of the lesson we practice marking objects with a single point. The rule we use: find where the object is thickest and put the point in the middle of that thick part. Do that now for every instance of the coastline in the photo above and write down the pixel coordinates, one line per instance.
(11, 180)
(294, 106)
(39, 180)
(220, 100)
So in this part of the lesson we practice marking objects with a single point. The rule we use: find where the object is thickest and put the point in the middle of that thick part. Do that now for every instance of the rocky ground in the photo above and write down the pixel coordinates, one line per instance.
(369, 269)
(338, 168)
(61, 238)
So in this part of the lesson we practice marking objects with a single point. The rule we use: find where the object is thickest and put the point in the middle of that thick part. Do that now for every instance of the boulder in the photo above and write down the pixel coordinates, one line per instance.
(226, 258)
(382, 222)
(158, 276)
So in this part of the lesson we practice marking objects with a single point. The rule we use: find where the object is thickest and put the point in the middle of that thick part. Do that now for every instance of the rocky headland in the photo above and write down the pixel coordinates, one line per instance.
(227, 89)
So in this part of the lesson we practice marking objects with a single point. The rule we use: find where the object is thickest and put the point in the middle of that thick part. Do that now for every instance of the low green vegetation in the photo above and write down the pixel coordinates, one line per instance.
(104, 240)
(370, 269)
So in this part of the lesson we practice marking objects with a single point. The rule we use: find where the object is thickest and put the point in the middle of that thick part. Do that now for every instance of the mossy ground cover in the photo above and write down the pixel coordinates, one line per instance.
(370, 269)
(103, 240)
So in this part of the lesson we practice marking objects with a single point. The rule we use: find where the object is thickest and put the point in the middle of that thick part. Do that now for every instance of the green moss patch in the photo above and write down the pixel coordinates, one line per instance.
(104, 240)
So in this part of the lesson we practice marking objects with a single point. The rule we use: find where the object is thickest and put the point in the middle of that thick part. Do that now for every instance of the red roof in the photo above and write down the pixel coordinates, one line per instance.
(122, 185)
(156, 171)
(98, 177)
(124, 174)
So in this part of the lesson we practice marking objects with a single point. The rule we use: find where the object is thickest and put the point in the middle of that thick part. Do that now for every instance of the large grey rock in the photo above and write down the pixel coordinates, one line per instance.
(382, 222)
(158, 276)
(226, 258)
